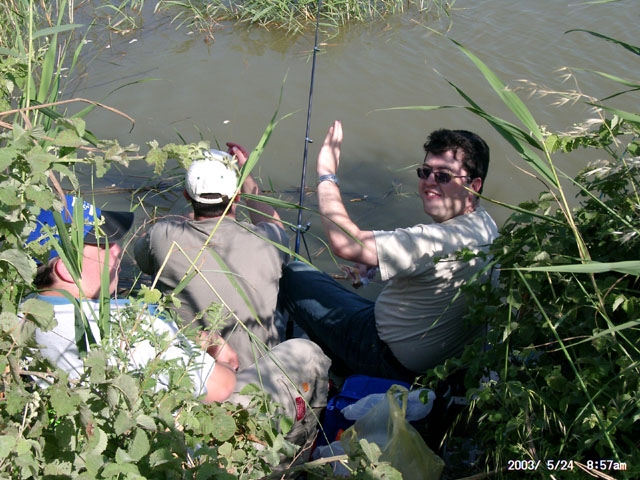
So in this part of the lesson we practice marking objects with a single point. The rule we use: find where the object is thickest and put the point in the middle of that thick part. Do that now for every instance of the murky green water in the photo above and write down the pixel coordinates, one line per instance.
(177, 86)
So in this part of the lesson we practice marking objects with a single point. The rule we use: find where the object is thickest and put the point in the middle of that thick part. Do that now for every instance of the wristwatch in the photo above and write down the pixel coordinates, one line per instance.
(328, 177)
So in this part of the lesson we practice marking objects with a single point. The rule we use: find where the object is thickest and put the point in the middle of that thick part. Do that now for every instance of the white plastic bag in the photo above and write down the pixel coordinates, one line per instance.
(416, 409)
(400, 443)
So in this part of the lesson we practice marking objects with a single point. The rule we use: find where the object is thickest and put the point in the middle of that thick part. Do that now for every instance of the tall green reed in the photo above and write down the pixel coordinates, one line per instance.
(295, 17)
(563, 322)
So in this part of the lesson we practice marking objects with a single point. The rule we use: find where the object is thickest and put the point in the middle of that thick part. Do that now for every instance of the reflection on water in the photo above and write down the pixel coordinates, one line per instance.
(177, 86)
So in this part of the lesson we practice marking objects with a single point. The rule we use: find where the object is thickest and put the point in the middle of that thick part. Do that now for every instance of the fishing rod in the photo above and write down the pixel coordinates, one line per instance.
(300, 230)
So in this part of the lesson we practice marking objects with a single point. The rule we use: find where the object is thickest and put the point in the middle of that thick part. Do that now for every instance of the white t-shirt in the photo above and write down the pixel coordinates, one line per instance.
(294, 373)
(419, 312)
(59, 345)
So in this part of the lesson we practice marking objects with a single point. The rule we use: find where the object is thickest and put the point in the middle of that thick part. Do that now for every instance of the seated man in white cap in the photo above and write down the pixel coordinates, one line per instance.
(294, 374)
(215, 259)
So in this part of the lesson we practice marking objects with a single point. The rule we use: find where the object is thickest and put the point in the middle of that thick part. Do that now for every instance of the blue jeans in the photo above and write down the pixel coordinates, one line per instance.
(340, 321)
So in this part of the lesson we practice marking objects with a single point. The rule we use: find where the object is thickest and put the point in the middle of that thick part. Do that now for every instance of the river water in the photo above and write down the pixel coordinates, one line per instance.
(179, 87)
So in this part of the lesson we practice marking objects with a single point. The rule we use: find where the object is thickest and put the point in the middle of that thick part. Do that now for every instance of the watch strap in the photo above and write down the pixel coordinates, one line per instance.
(329, 177)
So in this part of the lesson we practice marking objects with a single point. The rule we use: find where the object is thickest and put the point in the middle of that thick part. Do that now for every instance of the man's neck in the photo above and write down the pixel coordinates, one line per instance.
(229, 215)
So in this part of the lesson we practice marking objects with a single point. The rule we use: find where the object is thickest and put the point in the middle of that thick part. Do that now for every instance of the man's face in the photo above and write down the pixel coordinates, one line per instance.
(443, 201)
(93, 266)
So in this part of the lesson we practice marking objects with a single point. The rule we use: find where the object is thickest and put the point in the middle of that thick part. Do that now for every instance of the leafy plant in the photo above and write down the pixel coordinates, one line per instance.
(116, 420)
(557, 375)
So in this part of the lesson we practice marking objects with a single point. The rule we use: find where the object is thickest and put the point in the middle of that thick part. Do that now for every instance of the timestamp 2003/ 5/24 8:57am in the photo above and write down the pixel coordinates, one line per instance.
(563, 465)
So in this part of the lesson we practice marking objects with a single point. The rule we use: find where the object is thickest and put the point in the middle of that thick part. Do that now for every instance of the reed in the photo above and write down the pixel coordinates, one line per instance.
(295, 17)
(556, 375)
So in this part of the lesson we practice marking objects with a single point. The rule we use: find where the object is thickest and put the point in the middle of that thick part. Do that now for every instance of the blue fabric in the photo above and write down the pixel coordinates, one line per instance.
(46, 220)
(340, 321)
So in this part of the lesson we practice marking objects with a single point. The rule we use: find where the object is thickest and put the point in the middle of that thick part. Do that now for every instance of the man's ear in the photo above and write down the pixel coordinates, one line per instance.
(186, 195)
(62, 272)
(476, 184)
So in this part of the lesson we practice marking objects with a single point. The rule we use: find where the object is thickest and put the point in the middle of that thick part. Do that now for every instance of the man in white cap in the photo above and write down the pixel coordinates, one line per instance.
(213, 259)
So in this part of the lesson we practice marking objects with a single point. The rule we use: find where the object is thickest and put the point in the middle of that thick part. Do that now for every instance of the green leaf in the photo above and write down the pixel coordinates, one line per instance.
(39, 312)
(43, 198)
(68, 138)
(160, 456)
(224, 426)
(239, 456)
(118, 470)
(96, 362)
(7, 444)
(65, 433)
(123, 422)
(250, 389)
(93, 463)
(58, 469)
(9, 195)
(24, 446)
(77, 125)
(8, 155)
(40, 162)
(140, 446)
(98, 441)
(158, 158)
(147, 422)
(226, 449)
(9, 323)
(556, 381)
(129, 388)
(61, 401)
(286, 423)
(149, 295)
(370, 449)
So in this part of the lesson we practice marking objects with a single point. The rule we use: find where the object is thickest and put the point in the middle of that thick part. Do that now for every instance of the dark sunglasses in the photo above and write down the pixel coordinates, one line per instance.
(442, 178)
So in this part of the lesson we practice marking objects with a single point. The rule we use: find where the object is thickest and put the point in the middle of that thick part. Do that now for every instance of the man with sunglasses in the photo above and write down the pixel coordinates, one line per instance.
(417, 320)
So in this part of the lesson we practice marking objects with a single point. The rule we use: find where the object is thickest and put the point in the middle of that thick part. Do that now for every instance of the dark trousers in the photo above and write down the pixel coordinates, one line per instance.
(340, 321)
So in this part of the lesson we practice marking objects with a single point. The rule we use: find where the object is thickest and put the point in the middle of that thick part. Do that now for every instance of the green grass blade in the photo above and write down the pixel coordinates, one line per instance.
(510, 99)
(628, 116)
(9, 53)
(630, 267)
(633, 49)
(55, 30)
(262, 143)
(48, 67)
(613, 78)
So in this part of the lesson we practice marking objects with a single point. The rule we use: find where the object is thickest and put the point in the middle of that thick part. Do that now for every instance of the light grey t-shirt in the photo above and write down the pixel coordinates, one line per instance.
(238, 267)
(419, 312)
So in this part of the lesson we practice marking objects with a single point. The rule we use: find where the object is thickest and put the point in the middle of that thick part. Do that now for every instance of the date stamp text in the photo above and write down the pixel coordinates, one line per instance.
(554, 465)
(533, 465)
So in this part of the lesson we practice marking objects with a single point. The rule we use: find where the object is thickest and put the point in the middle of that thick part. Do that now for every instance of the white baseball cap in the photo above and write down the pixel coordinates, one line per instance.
(216, 173)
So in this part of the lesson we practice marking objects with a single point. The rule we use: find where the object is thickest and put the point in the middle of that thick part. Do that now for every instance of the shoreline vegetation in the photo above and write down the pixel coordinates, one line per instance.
(556, 377)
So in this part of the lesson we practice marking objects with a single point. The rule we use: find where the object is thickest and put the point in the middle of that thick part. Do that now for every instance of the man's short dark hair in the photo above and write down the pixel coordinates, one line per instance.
(44, 275)
(210, 210)
(466, 146)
